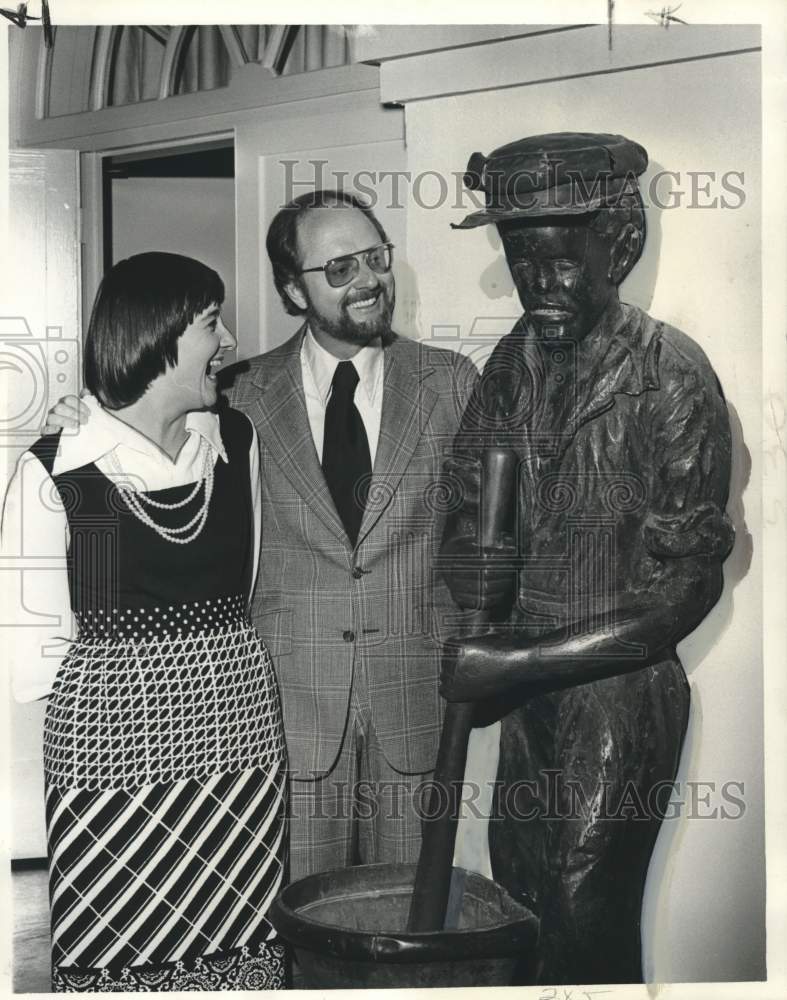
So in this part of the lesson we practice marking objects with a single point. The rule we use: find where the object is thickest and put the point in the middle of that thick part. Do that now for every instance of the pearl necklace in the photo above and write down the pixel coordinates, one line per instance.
(134, 501)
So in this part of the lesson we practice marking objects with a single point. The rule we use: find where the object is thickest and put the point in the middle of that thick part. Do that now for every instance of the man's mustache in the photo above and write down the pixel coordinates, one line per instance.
(359, 296)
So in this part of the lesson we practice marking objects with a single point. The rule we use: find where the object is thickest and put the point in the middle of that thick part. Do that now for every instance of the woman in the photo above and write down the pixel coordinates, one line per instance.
(163, 746)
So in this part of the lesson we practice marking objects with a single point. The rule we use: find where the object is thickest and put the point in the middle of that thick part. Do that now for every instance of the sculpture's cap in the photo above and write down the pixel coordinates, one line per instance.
(563, 173)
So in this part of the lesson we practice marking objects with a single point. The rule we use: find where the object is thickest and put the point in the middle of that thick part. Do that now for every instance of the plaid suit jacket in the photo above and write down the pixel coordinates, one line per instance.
(325, 609)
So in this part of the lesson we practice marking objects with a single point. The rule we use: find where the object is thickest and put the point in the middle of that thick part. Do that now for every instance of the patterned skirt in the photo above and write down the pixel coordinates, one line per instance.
(165, 794)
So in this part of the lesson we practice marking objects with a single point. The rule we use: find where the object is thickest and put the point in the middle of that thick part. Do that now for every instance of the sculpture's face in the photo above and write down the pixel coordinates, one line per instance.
(562, 274)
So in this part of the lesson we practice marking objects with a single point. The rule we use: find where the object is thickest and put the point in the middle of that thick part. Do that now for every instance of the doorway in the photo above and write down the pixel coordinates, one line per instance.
(179, 200)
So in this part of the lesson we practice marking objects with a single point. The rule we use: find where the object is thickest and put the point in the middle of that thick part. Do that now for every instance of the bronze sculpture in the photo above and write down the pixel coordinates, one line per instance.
(623, 440)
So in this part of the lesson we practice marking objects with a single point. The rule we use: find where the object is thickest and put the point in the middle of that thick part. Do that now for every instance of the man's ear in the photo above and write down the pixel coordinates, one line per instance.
(624, 253)
(295, 292)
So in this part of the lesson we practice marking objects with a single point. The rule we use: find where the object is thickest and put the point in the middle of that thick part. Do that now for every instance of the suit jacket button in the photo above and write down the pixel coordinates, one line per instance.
(357, 572)
(348, 636)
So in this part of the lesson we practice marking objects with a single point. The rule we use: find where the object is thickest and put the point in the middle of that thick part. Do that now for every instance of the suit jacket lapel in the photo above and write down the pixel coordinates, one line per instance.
(279, 414)
(407, 403)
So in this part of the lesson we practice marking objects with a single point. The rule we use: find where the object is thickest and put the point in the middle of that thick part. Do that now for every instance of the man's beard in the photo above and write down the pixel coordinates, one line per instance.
(349, 330)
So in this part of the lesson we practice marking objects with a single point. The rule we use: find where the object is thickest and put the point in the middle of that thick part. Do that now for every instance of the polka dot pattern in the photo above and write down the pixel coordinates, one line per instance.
(156, 621)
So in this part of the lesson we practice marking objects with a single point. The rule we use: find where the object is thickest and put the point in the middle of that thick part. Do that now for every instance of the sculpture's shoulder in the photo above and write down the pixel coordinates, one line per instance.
(511, 366)
(681, 354)
(685, 399)
(683, 366)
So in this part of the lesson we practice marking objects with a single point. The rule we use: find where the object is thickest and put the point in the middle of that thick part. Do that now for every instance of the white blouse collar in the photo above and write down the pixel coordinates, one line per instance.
(102, 432)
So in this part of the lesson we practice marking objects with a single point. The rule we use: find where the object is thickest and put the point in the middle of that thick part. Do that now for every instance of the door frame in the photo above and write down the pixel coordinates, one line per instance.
(92, 205)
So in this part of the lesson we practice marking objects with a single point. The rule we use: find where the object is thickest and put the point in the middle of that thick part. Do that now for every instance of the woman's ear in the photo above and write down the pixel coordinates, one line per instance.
(624, 253)
(295, 292)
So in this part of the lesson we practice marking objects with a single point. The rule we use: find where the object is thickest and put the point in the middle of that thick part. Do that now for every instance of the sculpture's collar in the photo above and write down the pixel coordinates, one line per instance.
(620, 354)
(618, 357)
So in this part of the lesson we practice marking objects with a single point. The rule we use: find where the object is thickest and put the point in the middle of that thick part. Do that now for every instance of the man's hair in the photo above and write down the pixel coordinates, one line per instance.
(143, 306)
(282, 239)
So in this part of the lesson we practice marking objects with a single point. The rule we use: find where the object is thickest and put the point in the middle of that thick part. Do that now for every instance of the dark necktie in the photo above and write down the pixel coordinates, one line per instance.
(346, 461)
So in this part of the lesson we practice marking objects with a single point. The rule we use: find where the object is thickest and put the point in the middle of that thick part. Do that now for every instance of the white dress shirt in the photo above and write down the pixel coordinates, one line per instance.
(35, 536)
(318, 367)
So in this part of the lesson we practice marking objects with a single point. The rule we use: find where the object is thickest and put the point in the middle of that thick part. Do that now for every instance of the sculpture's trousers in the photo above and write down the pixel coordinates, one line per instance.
(585, 779)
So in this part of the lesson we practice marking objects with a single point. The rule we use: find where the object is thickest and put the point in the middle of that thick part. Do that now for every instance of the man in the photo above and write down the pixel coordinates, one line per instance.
(623, 442)
(353, 422)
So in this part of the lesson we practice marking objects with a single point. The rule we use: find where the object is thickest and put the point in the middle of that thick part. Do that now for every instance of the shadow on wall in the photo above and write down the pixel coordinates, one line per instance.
(693, 651)
(696, 647)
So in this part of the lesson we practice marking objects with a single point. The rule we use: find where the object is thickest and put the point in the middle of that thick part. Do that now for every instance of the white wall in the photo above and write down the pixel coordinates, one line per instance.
(194, 216)
(40, 360)
(704, 910)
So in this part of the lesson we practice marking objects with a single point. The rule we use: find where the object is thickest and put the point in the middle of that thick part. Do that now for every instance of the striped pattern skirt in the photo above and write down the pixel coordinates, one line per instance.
(164, 884)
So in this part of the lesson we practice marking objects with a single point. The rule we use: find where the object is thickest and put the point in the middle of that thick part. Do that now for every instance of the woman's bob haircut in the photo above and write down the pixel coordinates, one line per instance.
(143, 306)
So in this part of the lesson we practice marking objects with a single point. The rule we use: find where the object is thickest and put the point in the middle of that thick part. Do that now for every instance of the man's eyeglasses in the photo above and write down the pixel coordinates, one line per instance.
(341, 270)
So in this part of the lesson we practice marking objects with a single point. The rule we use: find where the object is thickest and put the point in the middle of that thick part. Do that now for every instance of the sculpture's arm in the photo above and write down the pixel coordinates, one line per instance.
(629, 638)
(686, 536)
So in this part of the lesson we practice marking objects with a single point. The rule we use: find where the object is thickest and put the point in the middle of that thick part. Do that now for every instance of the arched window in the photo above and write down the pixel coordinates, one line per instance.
(90, 68)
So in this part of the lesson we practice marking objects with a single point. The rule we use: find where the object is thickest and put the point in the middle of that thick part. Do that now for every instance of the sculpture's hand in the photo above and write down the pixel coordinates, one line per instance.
(480, 579)
(68, 413)
(475, 668)
(464, 475)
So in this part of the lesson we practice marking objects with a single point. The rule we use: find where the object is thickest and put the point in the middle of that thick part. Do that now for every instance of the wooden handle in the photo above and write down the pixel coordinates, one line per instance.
(435, 862)
(498, 494)
(433, 874)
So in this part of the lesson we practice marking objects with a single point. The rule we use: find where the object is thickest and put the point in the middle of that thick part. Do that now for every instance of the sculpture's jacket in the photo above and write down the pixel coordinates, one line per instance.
(624, 457)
